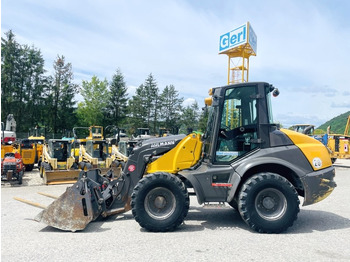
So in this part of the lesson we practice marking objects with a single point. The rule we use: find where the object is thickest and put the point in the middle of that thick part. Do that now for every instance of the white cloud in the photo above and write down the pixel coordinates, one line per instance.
(131, 90)
(188, 102)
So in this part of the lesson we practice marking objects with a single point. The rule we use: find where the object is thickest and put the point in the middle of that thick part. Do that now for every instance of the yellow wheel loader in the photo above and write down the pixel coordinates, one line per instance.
(58, 166)
(28, 153)
(243, 159)
(38, 145)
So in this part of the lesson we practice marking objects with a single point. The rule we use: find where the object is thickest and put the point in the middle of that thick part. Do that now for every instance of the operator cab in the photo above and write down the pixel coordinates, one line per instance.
(98, 149)
(59, 149)
(240, 119)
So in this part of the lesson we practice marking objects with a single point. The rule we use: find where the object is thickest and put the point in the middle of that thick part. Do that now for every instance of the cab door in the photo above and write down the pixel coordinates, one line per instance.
(238, 126)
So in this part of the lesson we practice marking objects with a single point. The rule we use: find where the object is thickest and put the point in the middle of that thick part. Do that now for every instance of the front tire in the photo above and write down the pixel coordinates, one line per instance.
(268, 203)
(160, 202)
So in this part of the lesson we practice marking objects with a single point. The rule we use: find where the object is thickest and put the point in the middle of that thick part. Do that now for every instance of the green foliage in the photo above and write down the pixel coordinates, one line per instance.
(144, 106)
(118, 100)
(203, 119)
(189, 118)
(96, 96)
(171, 107)
(62, 95)
(36, 99)
(337, 124)
(319, 132)
(22, 82)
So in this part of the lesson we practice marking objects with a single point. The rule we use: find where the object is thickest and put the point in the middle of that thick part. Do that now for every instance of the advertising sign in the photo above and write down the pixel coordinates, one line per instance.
(237, 37)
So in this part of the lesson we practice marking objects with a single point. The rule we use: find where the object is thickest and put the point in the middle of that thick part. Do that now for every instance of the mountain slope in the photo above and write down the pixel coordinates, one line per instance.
(337, 123)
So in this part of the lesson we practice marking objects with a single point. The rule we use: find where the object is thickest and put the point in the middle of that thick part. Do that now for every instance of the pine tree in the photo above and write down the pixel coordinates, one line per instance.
(63, 92)
(117, 104)
(22, 82)
(136, 108)
(10, 54)
(151, 102)
(171, 107)
(189, 118)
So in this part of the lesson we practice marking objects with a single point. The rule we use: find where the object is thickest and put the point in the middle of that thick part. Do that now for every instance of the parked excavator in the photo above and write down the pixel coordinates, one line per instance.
(243, 159)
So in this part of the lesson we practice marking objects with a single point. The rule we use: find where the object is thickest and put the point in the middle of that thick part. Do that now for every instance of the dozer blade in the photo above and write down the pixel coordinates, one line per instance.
(72, 211)
(54, 177)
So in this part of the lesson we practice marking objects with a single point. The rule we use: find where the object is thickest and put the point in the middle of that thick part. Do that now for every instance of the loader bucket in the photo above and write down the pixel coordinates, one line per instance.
(72, 211)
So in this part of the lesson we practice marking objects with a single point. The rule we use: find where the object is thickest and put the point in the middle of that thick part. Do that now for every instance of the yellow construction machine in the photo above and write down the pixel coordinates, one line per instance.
(100, 153)
(58, 165)
(38, 145)
(243, 159)
(37, 139)
(28, 153)
(80, 136)
(338, 144)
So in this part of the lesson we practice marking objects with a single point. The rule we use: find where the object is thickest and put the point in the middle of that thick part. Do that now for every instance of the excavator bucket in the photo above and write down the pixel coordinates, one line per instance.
(73, 210)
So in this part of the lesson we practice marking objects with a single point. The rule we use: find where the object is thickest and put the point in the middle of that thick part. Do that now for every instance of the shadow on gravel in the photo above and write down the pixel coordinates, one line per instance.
(200, 218)
(92, 227)
(228, 218)
(315, 220)
(214, 219)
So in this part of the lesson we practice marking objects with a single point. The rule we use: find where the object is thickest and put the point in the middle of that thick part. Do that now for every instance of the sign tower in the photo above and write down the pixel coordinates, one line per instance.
(238, 44)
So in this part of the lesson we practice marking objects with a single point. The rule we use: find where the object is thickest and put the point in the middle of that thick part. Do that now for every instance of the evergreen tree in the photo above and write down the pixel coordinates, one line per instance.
(189, 118)
(22, 82)
(10, 54)
(34, 87)
(117, 104)
(203, 120)
(63, 92)
(171, 107)
(136, 108)
(151, 102)
(144, 106)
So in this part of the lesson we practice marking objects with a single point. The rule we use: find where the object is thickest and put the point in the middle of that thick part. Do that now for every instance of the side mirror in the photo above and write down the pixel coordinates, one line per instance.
(275, 92)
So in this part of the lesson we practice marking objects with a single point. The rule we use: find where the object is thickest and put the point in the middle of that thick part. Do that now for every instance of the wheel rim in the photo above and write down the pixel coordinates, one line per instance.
(271, 204)
(160, 203)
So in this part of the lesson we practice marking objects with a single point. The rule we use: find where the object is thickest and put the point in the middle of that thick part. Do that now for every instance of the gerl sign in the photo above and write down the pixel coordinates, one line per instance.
(237, 37)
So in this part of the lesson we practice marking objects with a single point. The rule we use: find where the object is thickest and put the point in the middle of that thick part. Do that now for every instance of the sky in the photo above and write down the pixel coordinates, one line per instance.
(302, 46)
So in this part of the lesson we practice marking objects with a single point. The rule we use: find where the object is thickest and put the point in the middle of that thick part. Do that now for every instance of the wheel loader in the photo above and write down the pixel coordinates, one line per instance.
(58, 165)
(243, 159)
(38, 145)
(28, 153)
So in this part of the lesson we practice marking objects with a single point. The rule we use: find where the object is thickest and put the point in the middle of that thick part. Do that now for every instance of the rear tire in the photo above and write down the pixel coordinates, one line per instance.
(29, 167)
(20, 177)
(268, 203)
(160, 202)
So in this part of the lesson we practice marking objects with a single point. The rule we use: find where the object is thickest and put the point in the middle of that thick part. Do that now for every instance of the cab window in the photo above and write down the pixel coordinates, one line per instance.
(238, 126)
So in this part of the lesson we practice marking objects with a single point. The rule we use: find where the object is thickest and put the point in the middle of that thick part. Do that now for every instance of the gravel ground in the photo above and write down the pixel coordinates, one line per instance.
(321, 232)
